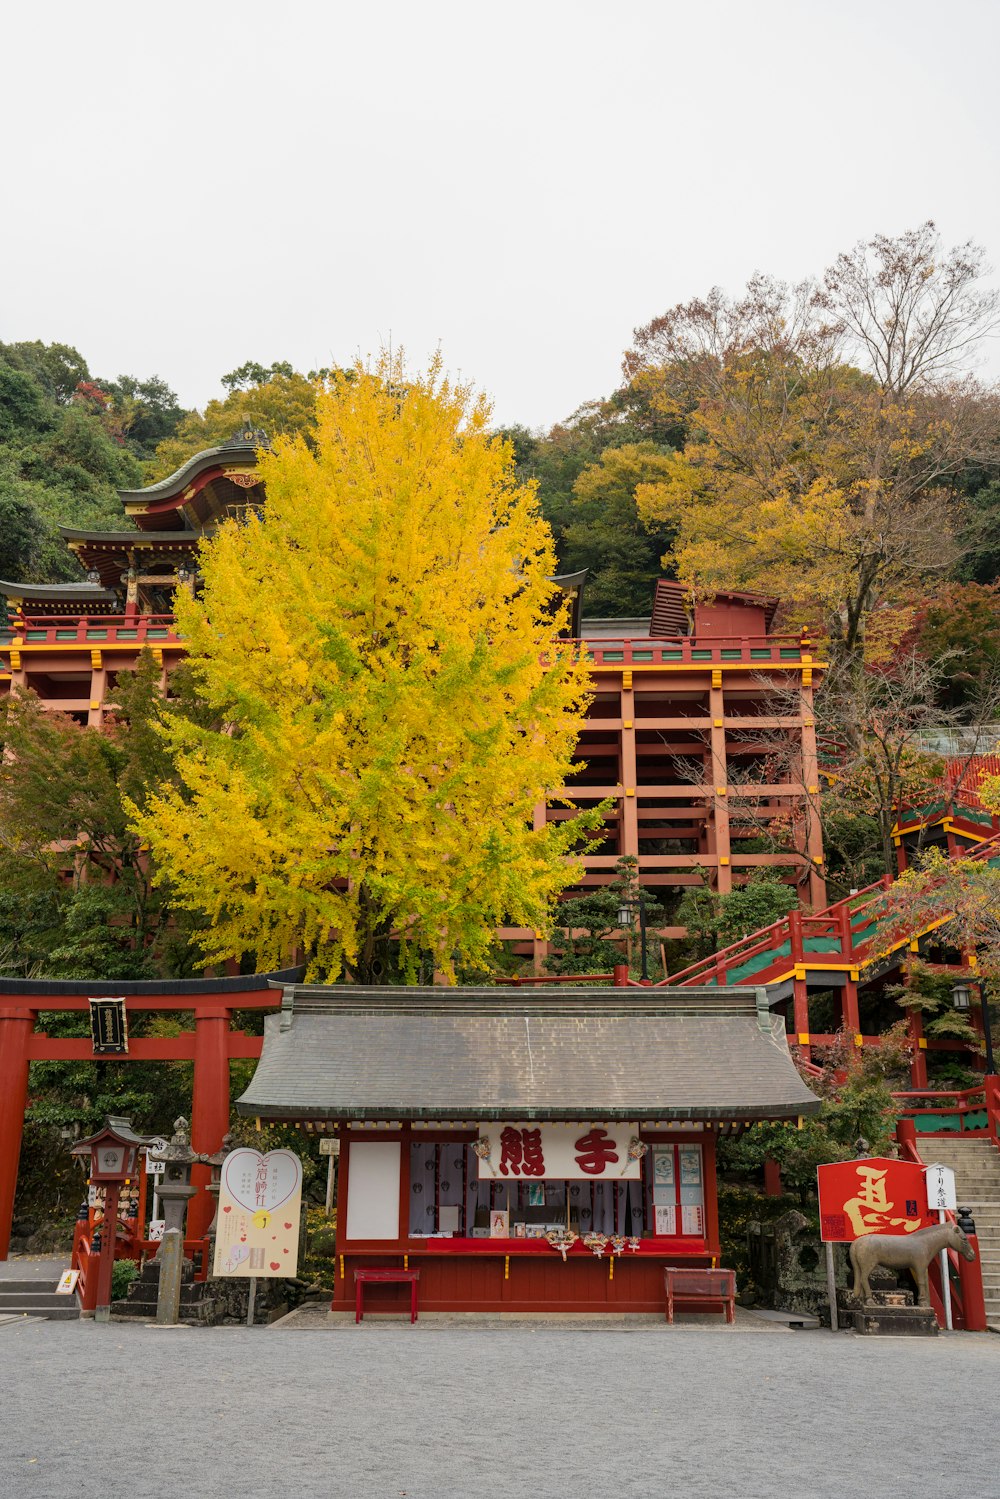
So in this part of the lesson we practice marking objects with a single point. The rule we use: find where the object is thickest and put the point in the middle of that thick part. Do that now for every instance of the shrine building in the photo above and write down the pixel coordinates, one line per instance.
(551, 1151)
(701, 729)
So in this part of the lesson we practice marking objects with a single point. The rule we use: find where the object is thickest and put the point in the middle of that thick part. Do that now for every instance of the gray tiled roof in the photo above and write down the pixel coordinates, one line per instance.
(356, 1053)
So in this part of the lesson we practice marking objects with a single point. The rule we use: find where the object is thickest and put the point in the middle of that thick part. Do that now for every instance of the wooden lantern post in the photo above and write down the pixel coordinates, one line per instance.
(114, 1160)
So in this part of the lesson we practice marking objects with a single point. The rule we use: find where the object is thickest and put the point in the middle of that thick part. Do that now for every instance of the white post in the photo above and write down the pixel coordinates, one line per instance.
(831, 1287)
(945, 1280)
(251, 1299)
(329, 1185)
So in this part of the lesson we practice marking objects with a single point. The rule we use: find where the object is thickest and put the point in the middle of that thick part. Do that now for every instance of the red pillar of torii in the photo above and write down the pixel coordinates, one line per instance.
(211, 1046)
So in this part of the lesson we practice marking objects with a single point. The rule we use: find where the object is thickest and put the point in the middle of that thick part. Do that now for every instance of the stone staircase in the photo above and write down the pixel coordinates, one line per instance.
(976, 1164)
(35, 1298)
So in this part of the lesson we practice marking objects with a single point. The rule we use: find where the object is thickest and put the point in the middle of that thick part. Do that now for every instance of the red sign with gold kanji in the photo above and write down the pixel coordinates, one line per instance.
(872, 1196)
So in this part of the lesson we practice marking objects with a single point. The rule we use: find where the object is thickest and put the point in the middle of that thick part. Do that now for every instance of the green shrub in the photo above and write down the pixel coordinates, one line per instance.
(123, 1273)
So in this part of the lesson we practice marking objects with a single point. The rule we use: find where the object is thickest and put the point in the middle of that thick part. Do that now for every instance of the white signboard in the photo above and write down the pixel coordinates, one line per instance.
(155, 1168)
(941, 1189)
(260, 1201)
(329, 1146)
(566, 1152)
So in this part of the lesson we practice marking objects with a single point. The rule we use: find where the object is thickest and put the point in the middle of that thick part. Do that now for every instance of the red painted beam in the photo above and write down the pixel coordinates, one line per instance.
(253, 999)
(42, 1048)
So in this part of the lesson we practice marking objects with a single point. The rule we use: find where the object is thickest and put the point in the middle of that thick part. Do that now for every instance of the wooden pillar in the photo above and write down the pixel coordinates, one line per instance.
(343, 1174)
(810, 782)
(540, 947)
(404, 1183)
(719, 772)
(629, 822)
(98, 690)
(800, 1011)
(850, 1016)
(918, 1059)
(209, 1107)
(711, 1194)
(131, 581)
(16, 1026)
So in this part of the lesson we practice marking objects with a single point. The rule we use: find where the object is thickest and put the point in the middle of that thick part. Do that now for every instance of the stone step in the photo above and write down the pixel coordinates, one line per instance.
(43, 1286)
(69, 1311)
(15, 1301)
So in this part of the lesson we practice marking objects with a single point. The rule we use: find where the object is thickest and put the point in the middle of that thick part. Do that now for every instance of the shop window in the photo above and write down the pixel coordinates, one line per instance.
(448, 1198)
(677, 1179)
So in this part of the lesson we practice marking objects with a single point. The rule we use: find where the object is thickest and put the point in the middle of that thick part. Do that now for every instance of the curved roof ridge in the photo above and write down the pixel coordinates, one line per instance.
(235, 453)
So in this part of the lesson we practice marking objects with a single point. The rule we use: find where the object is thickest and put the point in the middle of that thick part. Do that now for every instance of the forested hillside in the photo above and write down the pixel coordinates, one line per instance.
(767, 440)
(68, 442)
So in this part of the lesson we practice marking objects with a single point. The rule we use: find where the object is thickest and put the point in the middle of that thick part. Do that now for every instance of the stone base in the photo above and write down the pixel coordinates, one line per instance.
(895, 1321)
(197, 1297)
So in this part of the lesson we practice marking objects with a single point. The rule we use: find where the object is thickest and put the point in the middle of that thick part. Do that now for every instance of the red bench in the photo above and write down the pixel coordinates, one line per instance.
(383, 1276)
(701, 1285)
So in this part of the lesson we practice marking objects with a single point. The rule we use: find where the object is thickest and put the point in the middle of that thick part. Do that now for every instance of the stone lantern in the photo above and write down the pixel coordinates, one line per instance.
(175, 1191)
(174, 1187)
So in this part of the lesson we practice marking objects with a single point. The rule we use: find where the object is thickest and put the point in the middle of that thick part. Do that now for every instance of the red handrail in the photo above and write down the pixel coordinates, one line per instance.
(693, 650)
(843, 915)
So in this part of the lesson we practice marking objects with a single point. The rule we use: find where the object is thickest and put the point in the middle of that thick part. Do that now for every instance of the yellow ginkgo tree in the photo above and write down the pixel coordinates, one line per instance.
(380, 647)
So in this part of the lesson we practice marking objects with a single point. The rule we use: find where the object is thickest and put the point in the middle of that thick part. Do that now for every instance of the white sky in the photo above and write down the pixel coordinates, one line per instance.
(189, 185)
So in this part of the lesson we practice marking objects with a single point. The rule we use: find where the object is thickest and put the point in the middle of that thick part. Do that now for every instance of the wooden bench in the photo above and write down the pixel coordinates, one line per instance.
(384, 1275)
(701, 1285)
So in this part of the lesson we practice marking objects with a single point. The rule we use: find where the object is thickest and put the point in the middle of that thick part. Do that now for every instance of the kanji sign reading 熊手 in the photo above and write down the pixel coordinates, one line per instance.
(873, 1196)
(566, 1152)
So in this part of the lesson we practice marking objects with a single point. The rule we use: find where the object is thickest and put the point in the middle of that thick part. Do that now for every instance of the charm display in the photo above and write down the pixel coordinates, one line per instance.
(562, 1240)
(636, 1150)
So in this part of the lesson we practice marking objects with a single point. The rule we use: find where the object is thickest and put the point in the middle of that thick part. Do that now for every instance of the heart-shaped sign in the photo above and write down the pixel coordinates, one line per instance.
(288, 1225)
(227, 1208)
(258, 1181)
(275, 1264)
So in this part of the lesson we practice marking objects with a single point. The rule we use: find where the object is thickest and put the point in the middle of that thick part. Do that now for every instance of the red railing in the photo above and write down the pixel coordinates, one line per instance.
(693, 650)
(108, 629)
(557, 978)
(942, 1105)
(838, 925)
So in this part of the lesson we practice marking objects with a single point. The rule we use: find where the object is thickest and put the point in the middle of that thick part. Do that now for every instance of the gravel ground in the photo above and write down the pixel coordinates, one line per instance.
(455, 1412)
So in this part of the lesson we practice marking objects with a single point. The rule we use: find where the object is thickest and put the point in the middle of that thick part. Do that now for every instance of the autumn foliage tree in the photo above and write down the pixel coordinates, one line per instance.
(828, 428)
(275, 399)
(381, 645)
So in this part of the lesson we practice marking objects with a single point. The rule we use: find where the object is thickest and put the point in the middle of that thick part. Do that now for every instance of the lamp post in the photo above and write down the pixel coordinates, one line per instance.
(961, 998)
(625, 910)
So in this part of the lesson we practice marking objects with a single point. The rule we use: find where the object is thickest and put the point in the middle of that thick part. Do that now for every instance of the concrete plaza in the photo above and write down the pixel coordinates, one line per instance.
(386, 1411)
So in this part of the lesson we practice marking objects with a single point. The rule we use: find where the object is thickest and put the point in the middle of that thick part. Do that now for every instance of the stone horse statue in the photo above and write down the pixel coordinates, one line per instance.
(912, 1252)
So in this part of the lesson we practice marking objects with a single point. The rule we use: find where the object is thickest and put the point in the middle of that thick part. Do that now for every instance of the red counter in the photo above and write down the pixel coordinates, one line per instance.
(519, 1275)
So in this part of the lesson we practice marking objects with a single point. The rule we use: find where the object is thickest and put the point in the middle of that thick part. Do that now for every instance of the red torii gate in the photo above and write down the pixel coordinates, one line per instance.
(210, 1046)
